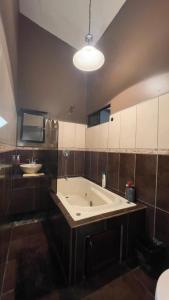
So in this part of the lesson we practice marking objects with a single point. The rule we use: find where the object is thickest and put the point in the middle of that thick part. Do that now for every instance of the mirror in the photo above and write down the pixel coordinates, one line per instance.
(32, 126)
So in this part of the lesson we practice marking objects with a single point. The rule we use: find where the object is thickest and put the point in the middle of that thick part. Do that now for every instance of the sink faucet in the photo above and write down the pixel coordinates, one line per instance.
(32, 160)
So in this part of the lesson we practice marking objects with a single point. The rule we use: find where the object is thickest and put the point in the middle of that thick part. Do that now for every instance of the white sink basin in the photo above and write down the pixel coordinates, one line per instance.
(30, 168)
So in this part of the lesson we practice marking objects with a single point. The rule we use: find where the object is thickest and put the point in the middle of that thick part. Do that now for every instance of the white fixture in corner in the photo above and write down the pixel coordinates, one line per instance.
(88, 58)
(162, 289)
(3, 122)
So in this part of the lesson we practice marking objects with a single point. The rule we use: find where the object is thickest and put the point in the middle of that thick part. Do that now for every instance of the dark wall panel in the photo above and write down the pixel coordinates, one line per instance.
(48, 80)
(136, 46)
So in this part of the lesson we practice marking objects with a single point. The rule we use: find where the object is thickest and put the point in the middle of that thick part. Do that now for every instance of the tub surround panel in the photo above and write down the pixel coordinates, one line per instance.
(126, 170)
(149, 172)
(87, 164)
(146, 178)
(71, 166)
(79, 163)
(163, 183)
(102, 165)
(112, 181)
(94, 166)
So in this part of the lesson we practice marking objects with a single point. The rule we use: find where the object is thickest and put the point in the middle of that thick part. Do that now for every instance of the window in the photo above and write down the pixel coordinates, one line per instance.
(99, 117)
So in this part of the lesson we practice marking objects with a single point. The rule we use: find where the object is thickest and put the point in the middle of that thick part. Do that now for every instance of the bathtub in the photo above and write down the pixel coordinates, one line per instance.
(84, 199)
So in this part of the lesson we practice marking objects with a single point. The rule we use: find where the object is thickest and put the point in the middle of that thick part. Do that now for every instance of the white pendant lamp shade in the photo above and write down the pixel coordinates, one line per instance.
(88, 59)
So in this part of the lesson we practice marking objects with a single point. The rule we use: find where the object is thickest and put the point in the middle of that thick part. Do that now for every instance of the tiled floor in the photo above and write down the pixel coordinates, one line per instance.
(132, 285)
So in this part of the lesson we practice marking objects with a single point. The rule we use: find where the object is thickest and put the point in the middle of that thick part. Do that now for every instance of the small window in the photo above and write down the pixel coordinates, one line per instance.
(99, 117)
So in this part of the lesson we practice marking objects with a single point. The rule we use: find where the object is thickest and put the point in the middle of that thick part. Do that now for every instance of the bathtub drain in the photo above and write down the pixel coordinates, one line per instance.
(78, 214)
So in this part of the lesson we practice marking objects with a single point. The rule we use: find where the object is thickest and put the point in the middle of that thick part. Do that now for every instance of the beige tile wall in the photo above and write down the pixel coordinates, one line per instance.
(7, 101)
(71, 136)
(140, 128)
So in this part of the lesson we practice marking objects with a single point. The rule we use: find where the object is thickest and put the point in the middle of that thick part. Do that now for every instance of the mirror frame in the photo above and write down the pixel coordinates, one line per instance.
(35, 113)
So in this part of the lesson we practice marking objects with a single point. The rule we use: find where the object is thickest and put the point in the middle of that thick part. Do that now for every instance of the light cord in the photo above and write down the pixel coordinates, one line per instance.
(90, 6)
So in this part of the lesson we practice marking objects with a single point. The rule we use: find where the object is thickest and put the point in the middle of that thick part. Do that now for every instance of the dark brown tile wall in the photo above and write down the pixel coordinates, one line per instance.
(113, 171)
(163, 183)
(5, 198)
(18, 195)
(146, 178)
(71, 166)
(126, 170)
(149, 172)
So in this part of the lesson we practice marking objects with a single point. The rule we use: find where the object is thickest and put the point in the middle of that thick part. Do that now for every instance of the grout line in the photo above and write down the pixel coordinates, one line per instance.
(155, 206)
(167, 212)
(118, 182)
(156, 184)
(135, 169)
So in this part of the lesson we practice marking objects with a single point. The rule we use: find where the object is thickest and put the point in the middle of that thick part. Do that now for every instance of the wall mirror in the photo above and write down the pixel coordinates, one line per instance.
(32, 126)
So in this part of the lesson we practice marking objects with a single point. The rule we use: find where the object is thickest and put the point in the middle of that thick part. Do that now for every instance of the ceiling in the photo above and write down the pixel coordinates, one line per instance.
(68, 19)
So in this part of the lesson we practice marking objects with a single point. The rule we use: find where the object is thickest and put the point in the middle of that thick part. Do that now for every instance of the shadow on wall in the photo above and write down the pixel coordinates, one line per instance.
(147, 89)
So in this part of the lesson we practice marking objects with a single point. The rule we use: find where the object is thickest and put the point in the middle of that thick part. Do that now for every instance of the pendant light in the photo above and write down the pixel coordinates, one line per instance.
(88, 58)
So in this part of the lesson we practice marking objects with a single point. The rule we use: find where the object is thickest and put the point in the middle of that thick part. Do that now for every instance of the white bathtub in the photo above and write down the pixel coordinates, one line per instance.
(84, 199)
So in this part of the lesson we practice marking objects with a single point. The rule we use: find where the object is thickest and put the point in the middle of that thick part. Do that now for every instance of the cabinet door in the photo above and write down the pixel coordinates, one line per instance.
(22, 201)
(43, 201)
(102, 249)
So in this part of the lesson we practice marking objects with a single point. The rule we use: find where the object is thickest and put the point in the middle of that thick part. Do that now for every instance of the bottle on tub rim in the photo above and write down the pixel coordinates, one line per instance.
(130, 192)
(103, 180)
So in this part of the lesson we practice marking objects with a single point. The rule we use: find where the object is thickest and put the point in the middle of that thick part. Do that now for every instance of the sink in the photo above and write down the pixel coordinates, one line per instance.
(30, 168)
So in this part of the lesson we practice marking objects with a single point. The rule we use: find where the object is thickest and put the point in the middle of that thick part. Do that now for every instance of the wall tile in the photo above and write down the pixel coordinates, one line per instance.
(163, 132)
(162, 226)
(60, 135)
(87, 164)
(126, 171)
(69, 135)
(94, 166)
(102, 136)
(102, 165)
(80, 136)
(114, 132)
(145, 180)
(163, 182)
(79, 163)
(113, 170)
(147, 119)
(60, 164)
(128, 128)
(69, 164)
(91, 137)
(150, 219)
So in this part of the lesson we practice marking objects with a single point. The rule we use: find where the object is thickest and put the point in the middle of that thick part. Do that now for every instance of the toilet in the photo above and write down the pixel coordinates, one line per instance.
(162, 288)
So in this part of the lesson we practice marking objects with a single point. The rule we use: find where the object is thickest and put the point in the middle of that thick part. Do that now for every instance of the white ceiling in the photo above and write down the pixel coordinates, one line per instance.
(68, 19)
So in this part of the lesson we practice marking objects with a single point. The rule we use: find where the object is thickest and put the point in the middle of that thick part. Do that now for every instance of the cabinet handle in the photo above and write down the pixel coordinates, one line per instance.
(91, 244)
